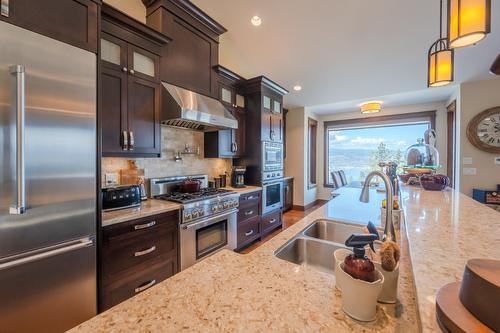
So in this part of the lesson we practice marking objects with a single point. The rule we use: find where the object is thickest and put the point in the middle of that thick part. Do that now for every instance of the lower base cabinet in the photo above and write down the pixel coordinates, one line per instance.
(249, 219)
(136, 255)
(271, 221)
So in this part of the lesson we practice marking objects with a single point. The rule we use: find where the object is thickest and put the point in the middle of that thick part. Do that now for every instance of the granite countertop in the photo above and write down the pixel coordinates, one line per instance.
(256, 292)
(244, 190)
(445, 229)
(147, 208)
(288, 177)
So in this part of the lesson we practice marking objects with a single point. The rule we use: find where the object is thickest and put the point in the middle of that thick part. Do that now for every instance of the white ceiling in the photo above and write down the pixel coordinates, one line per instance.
(343, 52)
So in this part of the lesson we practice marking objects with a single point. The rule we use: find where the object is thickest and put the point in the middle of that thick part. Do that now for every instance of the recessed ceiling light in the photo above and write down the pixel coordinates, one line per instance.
(371, 106)
(297, 88)
(256, 21)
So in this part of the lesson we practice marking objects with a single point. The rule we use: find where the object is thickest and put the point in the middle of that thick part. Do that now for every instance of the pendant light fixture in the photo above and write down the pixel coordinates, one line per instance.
(469, 21)
(440, 58)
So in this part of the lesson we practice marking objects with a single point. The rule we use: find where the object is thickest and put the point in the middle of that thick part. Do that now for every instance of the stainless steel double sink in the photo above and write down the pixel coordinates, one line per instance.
(315, 244)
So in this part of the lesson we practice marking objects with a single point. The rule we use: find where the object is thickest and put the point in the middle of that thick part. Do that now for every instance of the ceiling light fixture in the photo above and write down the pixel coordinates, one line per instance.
(371, 107)
(256, 21)
(297, 88)
(440, 59)
(469, 21)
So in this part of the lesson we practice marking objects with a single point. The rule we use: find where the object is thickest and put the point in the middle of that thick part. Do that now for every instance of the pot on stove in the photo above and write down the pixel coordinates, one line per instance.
(190, 186)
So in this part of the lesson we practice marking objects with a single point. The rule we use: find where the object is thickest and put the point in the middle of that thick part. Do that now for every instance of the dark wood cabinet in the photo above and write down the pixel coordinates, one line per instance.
(228, 143)
(130, 86)
(189, 59)
(270, 222)
(70, 21)
(249, 216)
(136, 255)
(272, 118)
(287, 194)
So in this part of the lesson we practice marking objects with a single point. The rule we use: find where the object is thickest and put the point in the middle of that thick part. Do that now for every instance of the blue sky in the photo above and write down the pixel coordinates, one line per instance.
(395, 137)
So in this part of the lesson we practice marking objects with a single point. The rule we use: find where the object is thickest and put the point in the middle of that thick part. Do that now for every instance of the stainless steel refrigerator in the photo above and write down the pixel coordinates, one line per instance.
(47, 183)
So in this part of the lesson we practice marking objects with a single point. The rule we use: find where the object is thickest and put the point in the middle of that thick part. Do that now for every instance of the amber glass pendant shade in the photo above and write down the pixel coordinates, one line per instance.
(469, 21)
(440, 64)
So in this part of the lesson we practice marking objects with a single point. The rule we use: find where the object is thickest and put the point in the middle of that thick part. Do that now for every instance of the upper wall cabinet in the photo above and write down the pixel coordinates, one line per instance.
(69, 21)
(130, 86)
(189, 60)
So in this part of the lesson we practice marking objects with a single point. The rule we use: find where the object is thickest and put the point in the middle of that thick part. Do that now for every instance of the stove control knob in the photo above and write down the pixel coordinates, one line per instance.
(187, 216)
(226, 204)
(220, 206)
(214, 208)
(195, 214)
(202, 213)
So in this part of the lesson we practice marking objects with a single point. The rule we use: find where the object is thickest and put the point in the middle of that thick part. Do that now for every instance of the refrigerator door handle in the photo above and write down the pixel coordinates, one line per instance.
(20, 207)
(82, 243)
(5, 8)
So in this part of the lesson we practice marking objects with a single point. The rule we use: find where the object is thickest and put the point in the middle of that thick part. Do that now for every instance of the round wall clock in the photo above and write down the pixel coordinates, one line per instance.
(483, 130)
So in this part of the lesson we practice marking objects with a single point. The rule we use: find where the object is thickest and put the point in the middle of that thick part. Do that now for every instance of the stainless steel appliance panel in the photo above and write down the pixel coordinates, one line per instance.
(59, 141)
(51, 291)
(189, 241)
(272, 196)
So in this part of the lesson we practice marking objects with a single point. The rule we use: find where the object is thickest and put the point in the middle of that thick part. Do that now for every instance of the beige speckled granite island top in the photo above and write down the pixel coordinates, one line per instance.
(257, 292)
(445, 229)
(147, 208)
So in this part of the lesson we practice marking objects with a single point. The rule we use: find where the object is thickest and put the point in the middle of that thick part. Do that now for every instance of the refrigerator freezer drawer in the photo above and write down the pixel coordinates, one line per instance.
(51, 291)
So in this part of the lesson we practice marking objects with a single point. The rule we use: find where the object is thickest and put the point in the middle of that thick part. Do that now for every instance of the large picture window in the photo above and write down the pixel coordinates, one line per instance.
(357, 146)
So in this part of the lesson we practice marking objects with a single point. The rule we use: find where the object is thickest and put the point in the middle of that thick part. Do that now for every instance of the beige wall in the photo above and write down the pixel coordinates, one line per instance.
(172, 141)
(476, 97)
(325, 192)
(134, 8)
(296, 154)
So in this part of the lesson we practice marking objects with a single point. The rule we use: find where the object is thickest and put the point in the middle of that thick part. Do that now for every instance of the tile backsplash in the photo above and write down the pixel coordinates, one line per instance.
(172, 140)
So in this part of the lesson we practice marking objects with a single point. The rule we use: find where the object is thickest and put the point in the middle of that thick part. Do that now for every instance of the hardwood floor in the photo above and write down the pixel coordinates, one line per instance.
(289, 218)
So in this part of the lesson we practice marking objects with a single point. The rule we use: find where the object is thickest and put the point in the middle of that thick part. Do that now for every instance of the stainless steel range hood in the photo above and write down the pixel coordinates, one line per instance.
(183, 108)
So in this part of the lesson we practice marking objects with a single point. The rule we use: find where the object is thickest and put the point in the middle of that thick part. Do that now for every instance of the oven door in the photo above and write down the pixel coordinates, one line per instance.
(202, 238)
(272, 196)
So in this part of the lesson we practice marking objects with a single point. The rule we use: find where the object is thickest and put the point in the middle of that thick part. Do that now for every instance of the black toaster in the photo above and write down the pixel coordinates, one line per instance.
(120, 197)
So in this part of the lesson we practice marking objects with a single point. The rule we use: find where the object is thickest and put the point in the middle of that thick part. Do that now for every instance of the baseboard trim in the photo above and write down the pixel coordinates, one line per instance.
(309, 205)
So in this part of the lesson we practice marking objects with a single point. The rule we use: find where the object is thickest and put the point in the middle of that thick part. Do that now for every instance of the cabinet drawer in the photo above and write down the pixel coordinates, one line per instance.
(130, 249)
(271, 221)
(133, 282)
(247, 212)
(142, 225)
(249, 199)
(248, 231)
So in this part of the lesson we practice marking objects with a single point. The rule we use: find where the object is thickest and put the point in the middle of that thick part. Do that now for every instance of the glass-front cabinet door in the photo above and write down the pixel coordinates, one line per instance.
(113, 52)
(143, 64)
(276, 106)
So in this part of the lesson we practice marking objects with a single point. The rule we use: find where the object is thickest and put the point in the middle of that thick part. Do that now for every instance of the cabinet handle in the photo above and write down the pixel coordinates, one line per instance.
(125, 69)
(20, 206)
(248, 233)
(131, 140)
(271, 221)
(144, 252)
(249, 212)
(125, 140)
(5, 8)
(250, 197)
(145, 286)
(235, 146)
(132, 72)
(144, 226)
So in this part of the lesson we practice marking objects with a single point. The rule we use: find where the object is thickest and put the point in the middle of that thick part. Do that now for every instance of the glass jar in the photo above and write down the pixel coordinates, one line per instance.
(422, 155)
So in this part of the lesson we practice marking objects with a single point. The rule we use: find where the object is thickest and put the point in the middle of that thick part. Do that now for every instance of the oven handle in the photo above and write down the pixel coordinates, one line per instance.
(209, 221)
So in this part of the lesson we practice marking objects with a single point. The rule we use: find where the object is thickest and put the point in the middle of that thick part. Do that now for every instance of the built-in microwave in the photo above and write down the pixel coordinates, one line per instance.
(272, 156)
(272, 196)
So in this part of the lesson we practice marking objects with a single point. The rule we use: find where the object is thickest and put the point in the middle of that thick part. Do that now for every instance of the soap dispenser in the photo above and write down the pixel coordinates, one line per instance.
(357, 264)
(361, 283)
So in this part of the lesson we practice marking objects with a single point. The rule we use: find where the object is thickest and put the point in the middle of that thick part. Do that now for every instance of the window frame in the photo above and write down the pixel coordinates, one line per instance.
(312, 153)
(425, 116)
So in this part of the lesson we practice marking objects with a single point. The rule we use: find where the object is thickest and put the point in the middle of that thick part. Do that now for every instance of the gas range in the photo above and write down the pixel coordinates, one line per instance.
(196, 206)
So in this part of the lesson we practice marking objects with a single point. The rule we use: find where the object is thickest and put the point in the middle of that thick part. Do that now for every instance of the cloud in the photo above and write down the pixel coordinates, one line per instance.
(364, 141)
(340, 138)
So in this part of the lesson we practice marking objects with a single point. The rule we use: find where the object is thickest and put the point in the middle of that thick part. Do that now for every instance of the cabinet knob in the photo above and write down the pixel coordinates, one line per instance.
(132, 72)
(125, 69)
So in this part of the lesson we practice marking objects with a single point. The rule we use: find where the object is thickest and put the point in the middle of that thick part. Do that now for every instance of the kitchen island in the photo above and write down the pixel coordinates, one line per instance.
(257, 292)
